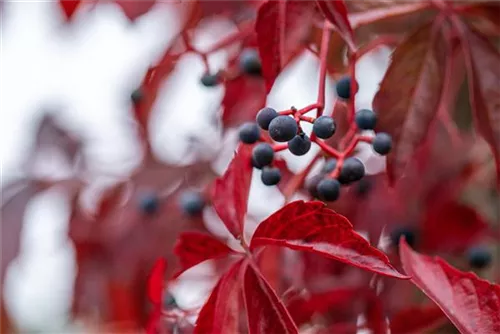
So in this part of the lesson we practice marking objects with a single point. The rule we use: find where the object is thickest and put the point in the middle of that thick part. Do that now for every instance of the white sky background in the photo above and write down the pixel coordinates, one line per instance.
(90, 68)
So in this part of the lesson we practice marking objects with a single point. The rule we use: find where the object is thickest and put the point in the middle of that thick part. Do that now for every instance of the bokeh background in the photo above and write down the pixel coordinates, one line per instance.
(83, 73)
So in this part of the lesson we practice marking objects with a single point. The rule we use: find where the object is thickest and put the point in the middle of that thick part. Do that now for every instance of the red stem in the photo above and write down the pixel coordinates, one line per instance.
(298, 180)
(325, 41)
(244, 33)
(387, 40)
(328, 149)
(367, 17)
(280, 147)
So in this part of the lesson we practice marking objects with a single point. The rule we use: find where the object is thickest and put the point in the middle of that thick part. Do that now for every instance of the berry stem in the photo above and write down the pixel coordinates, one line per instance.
(365, 139)
(307, 118)
(328, 149)
(287, 112)
(307, 109)
(352, 99)
(325, 41)
(387, 40)
(245, 31)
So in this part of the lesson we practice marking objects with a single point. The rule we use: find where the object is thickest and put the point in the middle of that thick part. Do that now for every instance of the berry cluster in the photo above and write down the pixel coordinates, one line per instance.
(190, 202)
(284, 128)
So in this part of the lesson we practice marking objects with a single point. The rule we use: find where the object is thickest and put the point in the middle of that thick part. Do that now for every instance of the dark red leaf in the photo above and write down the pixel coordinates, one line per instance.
(461, 224)
(135, 8)
(69, 7)
(471, 303)
(193, 248)
(302, 309)
(243, 98)
(312, 227)
(231, 191)
(417, 319)
(409, 94)
(221, 312)
(265, 312)
(156, 281)
(482, 59)
(335, 11)
(280, 36)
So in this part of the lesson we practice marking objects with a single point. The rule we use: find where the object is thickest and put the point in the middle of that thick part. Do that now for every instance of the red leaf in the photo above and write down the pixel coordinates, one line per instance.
(193, 248)
(231, 191)
(280, 36)
(69, 7)
(461, 224)
(302, 309)
(135, 8)
(265, 312)
(409, 94)
(220, 314)
(156, 281)
(417, 319)
(482, 59)
(335, 11)
(243, 97)
(471, 303)
(312, 227)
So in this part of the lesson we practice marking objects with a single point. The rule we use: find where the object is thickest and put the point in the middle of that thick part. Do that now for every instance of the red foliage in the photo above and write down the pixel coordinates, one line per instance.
(300, 270)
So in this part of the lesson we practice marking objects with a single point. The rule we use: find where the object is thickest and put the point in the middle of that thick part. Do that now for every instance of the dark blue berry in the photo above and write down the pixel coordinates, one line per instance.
(328, 189)
(255, 164)
(382, 143)
(403, 231)
(192, 202)
(479, 257)
(209, 80)
(311, 185)
(366, 119)
(149, 204)
(137, 96)
(265, 116)
(324, 127)
(249, 133)
(270, 176)
(283, 128)
(250, 62)
(330, 165)
(262, 154)
(299, 145)
(352, 170)
(343, 88)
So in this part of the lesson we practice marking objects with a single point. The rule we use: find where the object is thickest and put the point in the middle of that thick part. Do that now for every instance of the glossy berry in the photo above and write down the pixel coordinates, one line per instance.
(324, 127)
(249, 62)
(209, 80)
(330, 165)
(270, 176)
(352, 170)
(149, 204)
(255, 164)
(262, 154)
(311, 185)
(328, 189)
(404, 231)
(382, 143)
(192, 202)
(249, 133)
(343, 88)
(479, 257)
(283, 128)
(265, 116)
(299, 145)
(137, 96)
(365, 119)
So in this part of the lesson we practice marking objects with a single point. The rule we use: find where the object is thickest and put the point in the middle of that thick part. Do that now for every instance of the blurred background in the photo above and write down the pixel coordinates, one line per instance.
(82, 73)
